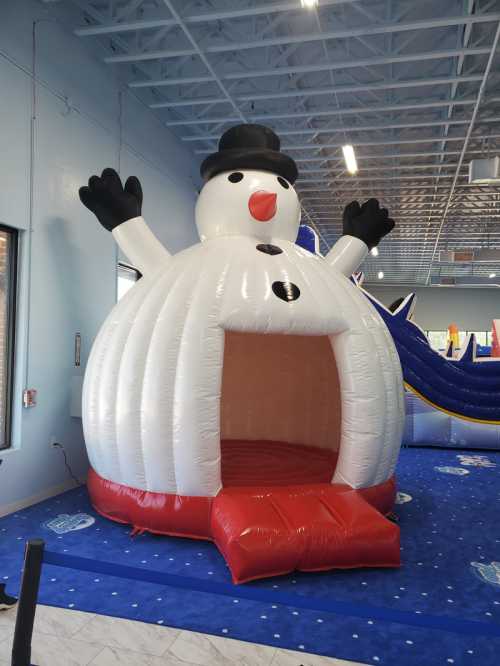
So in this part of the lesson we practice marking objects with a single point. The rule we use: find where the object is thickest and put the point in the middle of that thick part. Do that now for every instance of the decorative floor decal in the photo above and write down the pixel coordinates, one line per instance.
(64, 523)
(489, 573)
(457, 471)
(402, 498)
(475, 461)
(450, 552)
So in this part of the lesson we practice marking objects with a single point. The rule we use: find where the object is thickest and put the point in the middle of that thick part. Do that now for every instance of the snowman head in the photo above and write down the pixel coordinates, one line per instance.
(249, 189)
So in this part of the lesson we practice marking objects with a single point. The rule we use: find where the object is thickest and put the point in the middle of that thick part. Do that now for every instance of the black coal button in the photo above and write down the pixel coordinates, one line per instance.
(269, 249)
(287, 291)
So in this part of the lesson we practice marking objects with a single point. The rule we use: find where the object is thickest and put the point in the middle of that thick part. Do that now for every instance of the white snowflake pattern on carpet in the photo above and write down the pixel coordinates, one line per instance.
(457, 471)
(475, 461)
(489, 573)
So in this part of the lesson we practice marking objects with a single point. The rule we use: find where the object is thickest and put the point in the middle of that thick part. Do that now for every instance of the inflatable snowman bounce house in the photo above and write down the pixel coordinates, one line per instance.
(244, 390)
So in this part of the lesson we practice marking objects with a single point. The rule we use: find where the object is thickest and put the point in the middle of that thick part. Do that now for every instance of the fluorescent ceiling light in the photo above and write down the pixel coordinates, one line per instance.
(309, 4)
(492, 275)
(374, 251)
(380, 275)
(350, 159)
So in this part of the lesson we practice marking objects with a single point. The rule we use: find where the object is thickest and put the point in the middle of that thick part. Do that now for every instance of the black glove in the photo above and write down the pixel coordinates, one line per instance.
(110, 202)
(368, 222)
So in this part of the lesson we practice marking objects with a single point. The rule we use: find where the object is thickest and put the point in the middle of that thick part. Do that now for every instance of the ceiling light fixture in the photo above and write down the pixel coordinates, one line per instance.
(350, 159)
(309, 4)
(492, 275)
(374, 251)
(380, 275)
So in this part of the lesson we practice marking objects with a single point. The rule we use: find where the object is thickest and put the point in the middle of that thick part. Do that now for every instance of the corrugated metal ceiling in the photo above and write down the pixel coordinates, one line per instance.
(399, 79)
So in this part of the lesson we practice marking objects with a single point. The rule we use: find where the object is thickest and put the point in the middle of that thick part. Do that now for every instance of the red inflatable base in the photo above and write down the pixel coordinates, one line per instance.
(268, 530)
(272, 531)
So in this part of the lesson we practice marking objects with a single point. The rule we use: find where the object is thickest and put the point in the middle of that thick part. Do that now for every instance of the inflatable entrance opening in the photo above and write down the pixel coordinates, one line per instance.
(280, 410)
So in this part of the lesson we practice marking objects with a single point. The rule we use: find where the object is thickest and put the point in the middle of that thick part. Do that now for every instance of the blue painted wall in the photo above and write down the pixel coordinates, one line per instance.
(84, 122)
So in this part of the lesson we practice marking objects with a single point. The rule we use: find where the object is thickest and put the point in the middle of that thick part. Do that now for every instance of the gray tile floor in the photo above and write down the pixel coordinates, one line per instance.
(72, 638)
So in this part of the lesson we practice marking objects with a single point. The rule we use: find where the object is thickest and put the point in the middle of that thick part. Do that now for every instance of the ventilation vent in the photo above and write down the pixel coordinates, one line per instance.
(485, 172)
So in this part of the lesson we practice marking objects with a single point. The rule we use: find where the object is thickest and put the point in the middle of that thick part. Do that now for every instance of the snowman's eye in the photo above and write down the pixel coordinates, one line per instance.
(283, 183)
(235, 177)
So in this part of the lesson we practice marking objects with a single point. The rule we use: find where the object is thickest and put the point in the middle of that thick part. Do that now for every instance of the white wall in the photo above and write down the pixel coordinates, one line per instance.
(69, 283)
(438, 307)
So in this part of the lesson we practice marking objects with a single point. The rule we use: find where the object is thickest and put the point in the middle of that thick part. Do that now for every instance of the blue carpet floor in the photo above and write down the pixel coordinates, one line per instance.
(450, 524)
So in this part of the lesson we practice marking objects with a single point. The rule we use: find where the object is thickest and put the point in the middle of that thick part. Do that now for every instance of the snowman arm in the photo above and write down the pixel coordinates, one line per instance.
(347, 254)
(141, 246)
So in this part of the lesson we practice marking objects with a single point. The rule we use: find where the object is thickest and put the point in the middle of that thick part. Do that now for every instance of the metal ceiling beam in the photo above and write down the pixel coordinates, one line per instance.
(337, 179)
(145, 56)
(306, 92)
(331, 201)
(460, 63)
(402, 204)
(99, 17)
(374, 108)
(363, 87)
(357, 128)
(479, 218)
(207, 64)
(380, 189)
(386, 156)
(126, 26)
(458, 66)
(388, 167)
(352, 63)
(201, 101)
(342, 111)
(477, 215)
(133, 26)
(364, 31)
(177, 81)
(397, 142)
(165, 54)
(480, 94)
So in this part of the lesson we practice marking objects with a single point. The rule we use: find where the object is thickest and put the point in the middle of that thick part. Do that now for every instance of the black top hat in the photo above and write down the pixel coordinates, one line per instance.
(249, 147)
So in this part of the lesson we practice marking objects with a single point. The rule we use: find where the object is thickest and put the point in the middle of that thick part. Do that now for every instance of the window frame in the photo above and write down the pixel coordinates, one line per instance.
(11, 307)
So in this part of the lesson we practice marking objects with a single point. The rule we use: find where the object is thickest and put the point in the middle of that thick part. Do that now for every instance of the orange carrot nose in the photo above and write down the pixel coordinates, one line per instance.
(262, 205)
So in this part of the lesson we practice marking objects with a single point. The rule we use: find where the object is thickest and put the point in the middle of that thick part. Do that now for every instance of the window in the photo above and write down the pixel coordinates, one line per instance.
(127, 277)
(8, 279)
(437, 339)
(481, 337)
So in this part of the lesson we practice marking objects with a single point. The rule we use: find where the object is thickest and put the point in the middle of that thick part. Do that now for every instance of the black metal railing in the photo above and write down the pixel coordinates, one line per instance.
(25, 619)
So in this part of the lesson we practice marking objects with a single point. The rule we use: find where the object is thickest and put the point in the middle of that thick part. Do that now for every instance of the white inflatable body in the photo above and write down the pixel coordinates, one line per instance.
(233, 340)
